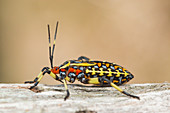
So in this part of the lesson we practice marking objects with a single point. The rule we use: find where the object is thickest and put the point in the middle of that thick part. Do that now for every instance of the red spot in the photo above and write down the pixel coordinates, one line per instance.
(71, 70)
(78, 71)
(63, 69)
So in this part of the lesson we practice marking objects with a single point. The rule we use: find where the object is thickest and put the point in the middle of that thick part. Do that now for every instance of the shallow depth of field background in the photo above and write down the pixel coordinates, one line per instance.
(134, 34)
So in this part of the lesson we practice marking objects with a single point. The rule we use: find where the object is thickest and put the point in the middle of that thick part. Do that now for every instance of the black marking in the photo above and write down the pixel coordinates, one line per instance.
(67, 95)
(47, 71)
(112, 78)
(28, 82)
(83, 79)
(83, 58)
(62, 73)
(131, 76)
(34, 85)
(71, 75)
(45, 68)
(88, 74)
(35, 80)
(80, 75)
(120, 80)
(93, 76)
(133, 96)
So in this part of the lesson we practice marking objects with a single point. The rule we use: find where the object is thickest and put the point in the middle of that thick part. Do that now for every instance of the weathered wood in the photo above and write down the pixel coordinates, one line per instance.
(16, 98)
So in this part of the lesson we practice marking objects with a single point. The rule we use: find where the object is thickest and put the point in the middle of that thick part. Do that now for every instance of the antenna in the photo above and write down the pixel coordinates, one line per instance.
(51, 55)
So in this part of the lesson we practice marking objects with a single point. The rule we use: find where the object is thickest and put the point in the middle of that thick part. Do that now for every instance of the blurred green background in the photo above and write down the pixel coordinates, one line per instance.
(131, 33)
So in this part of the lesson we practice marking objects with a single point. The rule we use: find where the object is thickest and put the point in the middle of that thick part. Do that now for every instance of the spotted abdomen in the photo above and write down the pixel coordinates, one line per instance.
(115, 73)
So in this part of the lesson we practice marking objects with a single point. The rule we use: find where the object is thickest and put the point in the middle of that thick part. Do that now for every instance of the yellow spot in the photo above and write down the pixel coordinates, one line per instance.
(93, 71)
(101, 71)
(82, 64)
(87, 71)
(93, 81)
(107, 65)
(110, 72)
(126, 74)
(67, 78)
(118, 73)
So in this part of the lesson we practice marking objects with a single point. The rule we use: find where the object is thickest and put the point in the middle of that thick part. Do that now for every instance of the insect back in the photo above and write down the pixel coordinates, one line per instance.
(113, 72)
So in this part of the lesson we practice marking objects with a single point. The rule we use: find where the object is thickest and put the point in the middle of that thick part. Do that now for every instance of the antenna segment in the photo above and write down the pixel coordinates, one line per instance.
(51, 55)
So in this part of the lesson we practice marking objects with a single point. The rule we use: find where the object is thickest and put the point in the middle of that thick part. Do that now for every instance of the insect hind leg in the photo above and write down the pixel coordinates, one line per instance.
(119, 89)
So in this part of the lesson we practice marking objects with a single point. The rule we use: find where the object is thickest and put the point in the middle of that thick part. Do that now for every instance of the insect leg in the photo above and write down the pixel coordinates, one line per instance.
(35, 80)
(39, 79)
(83, 58)
(119, 89)
(68, 93)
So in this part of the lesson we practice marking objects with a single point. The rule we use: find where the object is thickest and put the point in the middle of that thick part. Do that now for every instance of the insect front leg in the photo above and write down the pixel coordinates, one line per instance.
(39, 77)
(64, 76)
(119, 89)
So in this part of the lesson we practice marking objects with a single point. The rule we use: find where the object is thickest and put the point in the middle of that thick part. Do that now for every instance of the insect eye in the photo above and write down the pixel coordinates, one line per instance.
(55, 68)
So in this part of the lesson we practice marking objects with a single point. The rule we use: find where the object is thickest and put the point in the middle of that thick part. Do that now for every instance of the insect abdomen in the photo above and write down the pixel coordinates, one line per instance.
(113, 72)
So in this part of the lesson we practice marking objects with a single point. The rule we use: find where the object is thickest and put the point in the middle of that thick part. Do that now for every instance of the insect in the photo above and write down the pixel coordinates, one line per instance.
(86, 71)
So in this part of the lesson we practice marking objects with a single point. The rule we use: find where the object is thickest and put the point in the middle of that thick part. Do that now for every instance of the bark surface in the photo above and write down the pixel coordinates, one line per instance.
(17, 98)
